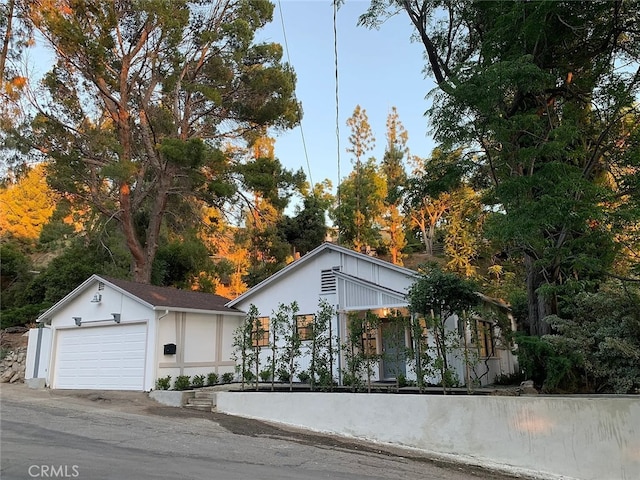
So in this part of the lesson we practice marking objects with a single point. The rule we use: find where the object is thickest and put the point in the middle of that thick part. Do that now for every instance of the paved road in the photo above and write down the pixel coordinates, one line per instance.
(126, 436)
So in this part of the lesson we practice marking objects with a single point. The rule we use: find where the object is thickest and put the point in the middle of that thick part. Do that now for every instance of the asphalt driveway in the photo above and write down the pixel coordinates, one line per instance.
(126, 435)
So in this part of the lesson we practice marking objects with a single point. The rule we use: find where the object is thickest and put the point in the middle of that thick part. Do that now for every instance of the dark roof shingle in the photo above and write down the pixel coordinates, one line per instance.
(173, 297)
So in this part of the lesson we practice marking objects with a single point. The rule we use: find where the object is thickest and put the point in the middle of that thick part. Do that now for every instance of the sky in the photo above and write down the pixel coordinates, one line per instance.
(377, 69)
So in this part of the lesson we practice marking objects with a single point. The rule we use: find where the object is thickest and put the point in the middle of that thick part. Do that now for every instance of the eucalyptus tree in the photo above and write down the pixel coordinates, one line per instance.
(541, 89)
(145, 98)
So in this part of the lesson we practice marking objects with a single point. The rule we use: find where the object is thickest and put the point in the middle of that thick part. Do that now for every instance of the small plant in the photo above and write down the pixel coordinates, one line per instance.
(227, 377)
(198, 381)
(283, 376)
(183, 382)
(212, 378)
(249, 376)
(514, 378)
(265, 375)
(304, 377)
(163, 383)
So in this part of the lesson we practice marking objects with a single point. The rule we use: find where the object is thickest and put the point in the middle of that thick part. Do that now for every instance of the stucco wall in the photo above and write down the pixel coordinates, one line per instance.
(594, 438)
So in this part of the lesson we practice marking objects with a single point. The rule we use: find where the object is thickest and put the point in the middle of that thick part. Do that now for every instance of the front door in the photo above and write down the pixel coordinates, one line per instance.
(394, 357)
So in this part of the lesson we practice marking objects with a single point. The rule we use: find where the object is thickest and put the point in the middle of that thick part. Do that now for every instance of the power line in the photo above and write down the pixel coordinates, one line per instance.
(335, 58)
(304, 143)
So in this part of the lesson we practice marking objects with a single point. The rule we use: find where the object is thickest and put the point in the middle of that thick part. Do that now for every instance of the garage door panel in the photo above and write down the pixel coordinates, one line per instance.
(106, 357)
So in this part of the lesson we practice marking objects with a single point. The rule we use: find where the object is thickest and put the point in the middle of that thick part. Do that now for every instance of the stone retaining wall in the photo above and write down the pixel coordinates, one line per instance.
(13, 365)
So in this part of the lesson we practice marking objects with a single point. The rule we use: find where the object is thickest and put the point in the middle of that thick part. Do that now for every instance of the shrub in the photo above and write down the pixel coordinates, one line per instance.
(304, 377)
(515, 378)
(198, 381)
(283, 375)
(550, 370)
(212, 378)
(227, 377)
(183, 382)
(163, 383)
(265, 375)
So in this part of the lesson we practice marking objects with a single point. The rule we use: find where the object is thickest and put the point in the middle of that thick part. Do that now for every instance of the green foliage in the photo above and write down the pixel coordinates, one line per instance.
(541, 362)
(197, 381)
(265, 375)
(182, 382)
(163, 383)
(437, 296)
(290, 350)
(178, 262)
(304, 377)
(212, 378)
(515, 378)
(283, 375)
(442, 293)
(362, 196)
(307, 229)
(360, 348)
(271, 180)
(26, 294)
(227, 377)
(601, 336)
(552, 123)
(320, 347)
(246, 343)
(140, 174)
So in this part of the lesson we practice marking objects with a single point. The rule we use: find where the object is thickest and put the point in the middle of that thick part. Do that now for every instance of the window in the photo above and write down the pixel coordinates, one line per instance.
(260, 333)
(304, 326)
(370, 341)
(485, 339)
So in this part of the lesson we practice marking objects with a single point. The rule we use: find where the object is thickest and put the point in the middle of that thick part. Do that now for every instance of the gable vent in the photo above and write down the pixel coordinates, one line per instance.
(328, 281)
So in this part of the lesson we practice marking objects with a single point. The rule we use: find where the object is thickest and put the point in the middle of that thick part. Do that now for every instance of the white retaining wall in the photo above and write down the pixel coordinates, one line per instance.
(586, 438)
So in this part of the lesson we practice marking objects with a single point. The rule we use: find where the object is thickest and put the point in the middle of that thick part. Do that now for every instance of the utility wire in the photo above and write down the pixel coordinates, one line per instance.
(304, 143)
(335, 58)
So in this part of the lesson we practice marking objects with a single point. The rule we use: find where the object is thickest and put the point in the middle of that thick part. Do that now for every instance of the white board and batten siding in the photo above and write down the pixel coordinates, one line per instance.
(312, 279)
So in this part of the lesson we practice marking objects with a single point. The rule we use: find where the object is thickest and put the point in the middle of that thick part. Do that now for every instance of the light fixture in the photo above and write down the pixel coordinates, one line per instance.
(116, 317)
(78, 320)
(97, 298)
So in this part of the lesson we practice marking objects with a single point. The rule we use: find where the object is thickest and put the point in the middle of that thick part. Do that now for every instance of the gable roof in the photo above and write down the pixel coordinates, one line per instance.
(312, 254)
(154, 297)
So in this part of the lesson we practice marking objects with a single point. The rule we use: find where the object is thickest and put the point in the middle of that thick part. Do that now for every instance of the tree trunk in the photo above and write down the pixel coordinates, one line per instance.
(539, 307)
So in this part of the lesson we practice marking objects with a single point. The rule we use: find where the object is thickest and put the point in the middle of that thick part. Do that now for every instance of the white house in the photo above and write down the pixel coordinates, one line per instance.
(116, 334)
(353, 282)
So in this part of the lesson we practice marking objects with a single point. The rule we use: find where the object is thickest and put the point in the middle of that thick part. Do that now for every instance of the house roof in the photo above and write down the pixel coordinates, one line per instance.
(312, 254)
(173, 298)
(154, 297)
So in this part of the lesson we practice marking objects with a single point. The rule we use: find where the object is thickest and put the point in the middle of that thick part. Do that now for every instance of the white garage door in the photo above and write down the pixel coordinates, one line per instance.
(106, 358)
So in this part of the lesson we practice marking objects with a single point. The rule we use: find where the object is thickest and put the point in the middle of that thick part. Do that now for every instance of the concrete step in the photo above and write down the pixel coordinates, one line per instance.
(200, 393)
(200, 401)
(202, 408)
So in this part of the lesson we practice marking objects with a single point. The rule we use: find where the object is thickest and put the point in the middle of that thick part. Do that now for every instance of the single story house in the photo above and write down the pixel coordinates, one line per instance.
(355, 283)
(116, 334)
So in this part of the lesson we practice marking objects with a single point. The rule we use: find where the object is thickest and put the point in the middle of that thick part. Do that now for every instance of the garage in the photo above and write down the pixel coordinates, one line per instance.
(101, 357)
